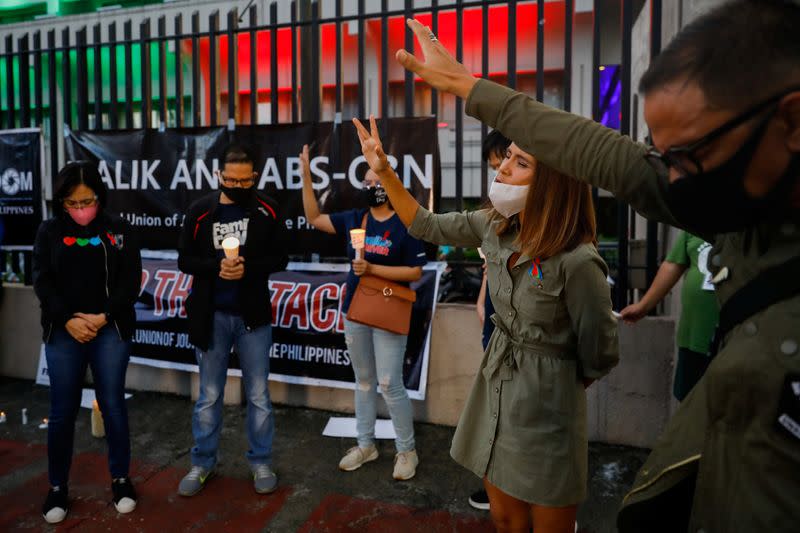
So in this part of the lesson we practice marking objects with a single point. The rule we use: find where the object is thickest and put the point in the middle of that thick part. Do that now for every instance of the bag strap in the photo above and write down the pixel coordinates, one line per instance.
(771, 286)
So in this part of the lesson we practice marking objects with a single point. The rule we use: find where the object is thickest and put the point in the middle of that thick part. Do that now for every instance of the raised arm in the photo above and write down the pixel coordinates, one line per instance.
(569, 143)
(403, 203)
(459, 229)
(310, 205)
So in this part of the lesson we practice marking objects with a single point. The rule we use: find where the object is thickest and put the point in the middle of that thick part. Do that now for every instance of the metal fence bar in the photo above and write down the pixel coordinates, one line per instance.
(596, 75)
(253, 65)
(361, 45)
(459, 104)
(233, 85)
(512, 44)
(568, 22)
(316, 92)
(113, 98)
(384, 59)
(24, 81)
(213, 93)
(162, 71)
(435, 30)
(128, 50)
(66, 78)
(293, 26)
(339, 88)
(652, 227)
(52, 101)
(82, 81)
(625, 128)
(38, 89)
(408, 45)
(540, 50)
(196, 101)
(484, 74)
(178, 71)
(97, 38)
(10, 105)
(147, 95)
(273, 65)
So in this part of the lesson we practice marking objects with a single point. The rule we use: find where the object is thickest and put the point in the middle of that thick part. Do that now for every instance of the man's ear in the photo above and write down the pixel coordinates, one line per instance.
(790, 110)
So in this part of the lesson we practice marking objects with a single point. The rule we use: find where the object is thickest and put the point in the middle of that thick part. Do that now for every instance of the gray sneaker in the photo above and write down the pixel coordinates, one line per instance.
(264, 479)
(194, 481)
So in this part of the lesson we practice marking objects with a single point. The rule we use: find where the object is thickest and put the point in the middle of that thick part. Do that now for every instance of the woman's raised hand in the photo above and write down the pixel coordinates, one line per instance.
(305, 164)
(439, 68)
(371, 146)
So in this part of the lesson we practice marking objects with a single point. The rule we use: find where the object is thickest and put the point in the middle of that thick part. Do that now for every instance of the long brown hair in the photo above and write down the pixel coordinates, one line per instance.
(558, 215)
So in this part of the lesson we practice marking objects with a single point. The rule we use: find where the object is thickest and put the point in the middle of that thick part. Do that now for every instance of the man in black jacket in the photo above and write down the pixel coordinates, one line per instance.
(229, 306)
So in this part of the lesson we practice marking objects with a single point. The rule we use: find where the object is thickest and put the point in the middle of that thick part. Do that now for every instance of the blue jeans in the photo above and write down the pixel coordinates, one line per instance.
(67, 360)
(377, 358)
(252, 346)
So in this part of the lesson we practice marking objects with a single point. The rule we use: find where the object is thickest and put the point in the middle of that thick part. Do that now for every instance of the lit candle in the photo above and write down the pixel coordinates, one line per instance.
(44, 423)
(2, 417)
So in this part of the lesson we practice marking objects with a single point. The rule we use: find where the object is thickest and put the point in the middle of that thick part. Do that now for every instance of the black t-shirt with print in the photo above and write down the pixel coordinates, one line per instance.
(229, 220)
(387, 243)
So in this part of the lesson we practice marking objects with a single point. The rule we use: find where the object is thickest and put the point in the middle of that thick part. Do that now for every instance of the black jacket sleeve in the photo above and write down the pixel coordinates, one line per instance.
(44, 277)
(129, 280)
(190, 258)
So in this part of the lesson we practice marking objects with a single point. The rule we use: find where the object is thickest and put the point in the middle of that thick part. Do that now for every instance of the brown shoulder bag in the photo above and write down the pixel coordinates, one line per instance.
(381, 303)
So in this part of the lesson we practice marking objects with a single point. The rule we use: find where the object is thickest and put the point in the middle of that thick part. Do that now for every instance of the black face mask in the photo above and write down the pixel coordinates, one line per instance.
(239, 195)
(715, 201)
(375, 196)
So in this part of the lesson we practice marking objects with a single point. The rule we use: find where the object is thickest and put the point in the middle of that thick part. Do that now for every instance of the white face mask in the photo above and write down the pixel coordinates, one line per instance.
(508, 200)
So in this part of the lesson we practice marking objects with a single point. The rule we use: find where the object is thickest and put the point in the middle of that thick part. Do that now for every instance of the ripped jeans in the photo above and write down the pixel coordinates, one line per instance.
(377, 357)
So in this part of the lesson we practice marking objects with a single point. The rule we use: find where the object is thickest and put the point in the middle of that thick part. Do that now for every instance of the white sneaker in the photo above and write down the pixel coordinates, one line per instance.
(405, 465)
(357, 456)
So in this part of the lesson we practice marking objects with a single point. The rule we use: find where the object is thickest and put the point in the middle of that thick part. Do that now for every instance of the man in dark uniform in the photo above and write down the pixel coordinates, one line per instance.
(722, 102)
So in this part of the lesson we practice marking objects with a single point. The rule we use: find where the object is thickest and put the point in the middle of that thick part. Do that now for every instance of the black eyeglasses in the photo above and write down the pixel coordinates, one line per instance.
(684, 158)
(233, 182)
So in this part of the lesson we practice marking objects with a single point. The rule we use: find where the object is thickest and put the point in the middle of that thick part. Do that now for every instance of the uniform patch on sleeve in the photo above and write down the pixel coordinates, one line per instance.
(788, 420)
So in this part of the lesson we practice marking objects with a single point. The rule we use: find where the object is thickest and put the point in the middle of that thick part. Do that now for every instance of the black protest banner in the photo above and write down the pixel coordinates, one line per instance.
(20, 186)
(307, 329)
(154, 175)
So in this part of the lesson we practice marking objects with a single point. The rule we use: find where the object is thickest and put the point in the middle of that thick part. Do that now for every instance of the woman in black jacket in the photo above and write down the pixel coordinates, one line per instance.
(87, 273)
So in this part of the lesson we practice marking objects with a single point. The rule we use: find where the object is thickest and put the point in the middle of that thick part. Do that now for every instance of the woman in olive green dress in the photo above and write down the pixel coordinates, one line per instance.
(523, 428)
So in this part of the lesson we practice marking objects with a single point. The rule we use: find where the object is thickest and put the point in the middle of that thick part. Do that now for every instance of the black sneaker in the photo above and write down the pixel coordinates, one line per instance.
(124, 495)
(55, 507)
(480, 500)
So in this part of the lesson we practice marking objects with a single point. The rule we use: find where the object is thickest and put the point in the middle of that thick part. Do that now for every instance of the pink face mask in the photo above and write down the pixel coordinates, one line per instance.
(82, 215)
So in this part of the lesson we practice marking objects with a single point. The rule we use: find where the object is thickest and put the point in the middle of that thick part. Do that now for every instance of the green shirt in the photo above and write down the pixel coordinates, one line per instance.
(524, 423)
(699, 308)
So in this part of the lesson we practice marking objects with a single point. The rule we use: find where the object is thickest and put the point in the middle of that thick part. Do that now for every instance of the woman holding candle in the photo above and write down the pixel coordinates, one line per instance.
(86, 273)
(523, 428)
(377, 355)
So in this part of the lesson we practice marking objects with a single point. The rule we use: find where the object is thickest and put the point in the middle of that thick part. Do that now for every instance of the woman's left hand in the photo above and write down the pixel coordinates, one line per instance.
(98, 320)
(360, 267)
(371, 146)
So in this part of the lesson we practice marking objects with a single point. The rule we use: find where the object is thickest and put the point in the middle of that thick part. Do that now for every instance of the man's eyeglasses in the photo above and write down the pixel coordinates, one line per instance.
(79, 204)
(685, 159)
(236, 182)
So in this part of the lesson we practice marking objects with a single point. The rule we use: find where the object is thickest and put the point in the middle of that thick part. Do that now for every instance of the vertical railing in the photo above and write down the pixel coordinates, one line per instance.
(70, 100)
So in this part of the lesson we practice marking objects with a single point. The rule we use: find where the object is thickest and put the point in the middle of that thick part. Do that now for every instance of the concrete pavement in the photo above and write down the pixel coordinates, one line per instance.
(313, 494)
